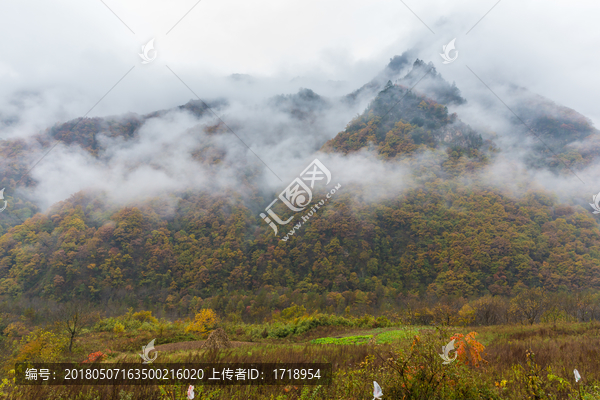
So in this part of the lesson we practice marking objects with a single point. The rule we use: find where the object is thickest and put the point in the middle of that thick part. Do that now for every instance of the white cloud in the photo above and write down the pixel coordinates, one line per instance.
(60, 59)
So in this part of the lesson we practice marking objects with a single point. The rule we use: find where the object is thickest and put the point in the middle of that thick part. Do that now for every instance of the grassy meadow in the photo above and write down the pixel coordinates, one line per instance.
(493, 362)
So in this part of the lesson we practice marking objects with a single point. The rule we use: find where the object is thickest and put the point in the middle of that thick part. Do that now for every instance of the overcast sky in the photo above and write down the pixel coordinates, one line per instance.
(70, 53)
(64, 59)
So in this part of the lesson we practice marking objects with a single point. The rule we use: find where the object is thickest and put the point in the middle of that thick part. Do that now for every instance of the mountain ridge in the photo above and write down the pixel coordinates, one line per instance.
(448, 233)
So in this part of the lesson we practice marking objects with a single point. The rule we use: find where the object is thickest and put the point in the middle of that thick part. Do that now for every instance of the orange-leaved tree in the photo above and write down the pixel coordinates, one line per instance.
(469, 350)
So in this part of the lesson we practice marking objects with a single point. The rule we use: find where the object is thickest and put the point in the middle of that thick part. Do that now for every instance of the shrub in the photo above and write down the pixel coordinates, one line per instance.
(418, 373)
(144, 316)
(105, 325)
(282, 331)
(41, 346)
(94, 357)
(146, 327)
(382, 322)
(290, 313)
(118, 327)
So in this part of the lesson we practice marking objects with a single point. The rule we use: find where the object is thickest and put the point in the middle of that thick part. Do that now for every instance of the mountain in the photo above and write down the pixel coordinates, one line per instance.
(400, 122)
(399, 70)
(301, 105)
(447, 230)
(563, 137)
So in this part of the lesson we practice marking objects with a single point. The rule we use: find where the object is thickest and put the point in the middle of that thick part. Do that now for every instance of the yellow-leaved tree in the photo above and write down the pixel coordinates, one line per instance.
(41, 346)
(289, 314)
(205, 320)
(145, 316)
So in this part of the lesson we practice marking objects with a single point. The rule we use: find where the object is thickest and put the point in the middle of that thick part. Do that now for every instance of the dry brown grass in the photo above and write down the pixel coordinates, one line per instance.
(563, 348)
(342, 357)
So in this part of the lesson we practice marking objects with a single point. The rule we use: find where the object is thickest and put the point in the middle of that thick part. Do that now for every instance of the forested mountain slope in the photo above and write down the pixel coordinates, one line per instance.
(449, 233)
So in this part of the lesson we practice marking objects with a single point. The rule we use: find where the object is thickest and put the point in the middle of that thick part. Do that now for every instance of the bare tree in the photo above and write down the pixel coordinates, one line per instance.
(410, 304)
(490, 310)
(577, 305)
(595, 306)
(445, 310)
(73, 317)
(530, 304)
(555, 308)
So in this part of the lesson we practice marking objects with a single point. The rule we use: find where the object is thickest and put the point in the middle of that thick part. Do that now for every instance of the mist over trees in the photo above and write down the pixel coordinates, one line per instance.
(443, 229)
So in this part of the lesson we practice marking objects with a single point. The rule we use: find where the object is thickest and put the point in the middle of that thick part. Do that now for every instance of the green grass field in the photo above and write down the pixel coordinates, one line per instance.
(343, 340)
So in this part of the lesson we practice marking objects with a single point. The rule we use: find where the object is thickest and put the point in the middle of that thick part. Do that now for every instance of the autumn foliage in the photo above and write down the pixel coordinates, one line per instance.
(94, 357)
(204, 320)
(447, 234)
(469, 351)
